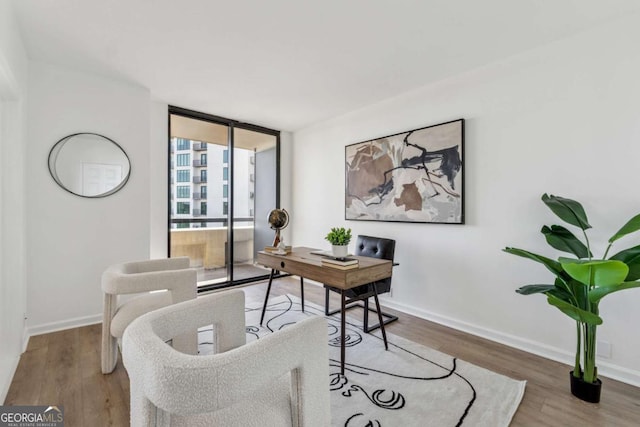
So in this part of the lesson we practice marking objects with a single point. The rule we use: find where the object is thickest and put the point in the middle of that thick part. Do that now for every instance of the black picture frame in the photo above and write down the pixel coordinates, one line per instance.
(414, 176)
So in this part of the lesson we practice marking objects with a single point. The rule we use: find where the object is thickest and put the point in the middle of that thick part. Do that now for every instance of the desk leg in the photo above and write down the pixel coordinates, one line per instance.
(302, 292)
(384, 333)
(266, 297)
(342, 331)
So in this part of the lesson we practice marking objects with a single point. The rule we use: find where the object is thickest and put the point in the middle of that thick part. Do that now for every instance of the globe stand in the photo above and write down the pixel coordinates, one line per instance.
(276, 239)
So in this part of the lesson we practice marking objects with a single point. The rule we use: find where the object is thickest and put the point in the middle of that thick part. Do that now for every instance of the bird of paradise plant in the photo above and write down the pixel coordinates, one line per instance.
(581, 282)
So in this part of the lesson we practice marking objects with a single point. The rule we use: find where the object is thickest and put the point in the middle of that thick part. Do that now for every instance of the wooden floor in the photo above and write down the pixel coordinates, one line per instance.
(63, 368)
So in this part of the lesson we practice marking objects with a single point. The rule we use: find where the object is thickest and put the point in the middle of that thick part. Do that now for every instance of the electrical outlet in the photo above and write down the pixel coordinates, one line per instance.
(603, 349)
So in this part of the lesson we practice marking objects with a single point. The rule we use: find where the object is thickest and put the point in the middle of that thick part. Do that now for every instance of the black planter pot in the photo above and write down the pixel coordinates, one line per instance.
(589, 392)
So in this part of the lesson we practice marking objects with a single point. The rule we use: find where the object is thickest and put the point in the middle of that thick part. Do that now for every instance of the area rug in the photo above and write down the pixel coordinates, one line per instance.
(408, 385)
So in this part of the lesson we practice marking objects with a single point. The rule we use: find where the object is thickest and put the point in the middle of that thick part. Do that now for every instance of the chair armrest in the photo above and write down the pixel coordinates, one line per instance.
(114, 282)
(185, 385)
(188, 385)
(163, 264)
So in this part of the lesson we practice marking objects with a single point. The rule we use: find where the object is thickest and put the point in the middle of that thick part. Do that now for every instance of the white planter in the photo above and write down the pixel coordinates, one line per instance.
(340, 251)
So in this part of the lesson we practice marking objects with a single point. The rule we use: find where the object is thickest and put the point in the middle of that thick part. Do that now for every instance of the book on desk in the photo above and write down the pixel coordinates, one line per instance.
(276, 249)
(342, 264)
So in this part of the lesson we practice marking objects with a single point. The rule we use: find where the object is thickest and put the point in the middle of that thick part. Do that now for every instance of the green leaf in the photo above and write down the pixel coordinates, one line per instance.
(553, 266)
(631, 226)
(596, 294)
(631, 257)
(596, 273)
(534, 289)
(564, 292)
(574, 312)
(563, 240)
(567, 210)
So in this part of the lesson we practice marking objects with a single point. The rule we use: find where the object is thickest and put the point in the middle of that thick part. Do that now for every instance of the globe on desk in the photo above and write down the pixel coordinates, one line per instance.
(278, 219)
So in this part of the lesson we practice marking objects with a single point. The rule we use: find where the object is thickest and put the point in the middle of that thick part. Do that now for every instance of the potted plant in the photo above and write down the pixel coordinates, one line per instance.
(581, 282)
(339, 239)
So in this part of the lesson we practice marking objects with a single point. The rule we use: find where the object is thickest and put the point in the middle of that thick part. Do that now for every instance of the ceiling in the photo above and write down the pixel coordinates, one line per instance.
(287, 64)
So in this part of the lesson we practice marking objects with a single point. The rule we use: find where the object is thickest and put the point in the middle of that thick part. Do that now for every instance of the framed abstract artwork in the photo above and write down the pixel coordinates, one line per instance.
(414, 176)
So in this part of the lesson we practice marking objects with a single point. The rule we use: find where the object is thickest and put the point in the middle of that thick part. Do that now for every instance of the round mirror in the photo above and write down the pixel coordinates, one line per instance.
(89, 165)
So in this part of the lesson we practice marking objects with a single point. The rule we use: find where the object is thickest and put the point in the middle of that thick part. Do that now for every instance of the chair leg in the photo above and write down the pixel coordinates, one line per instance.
(302, 292)
(326, 302)
(365, 323)
(388, 318)
(109, 357)
(384, 333)
(109, 353)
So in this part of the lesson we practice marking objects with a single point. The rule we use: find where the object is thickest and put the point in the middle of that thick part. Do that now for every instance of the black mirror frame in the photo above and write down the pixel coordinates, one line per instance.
(53, 154)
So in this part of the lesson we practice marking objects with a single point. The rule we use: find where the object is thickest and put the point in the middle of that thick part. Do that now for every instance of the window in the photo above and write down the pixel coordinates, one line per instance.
(183, 159)
(184, 144)
(184, 207)
(183, 192)
(190, 161)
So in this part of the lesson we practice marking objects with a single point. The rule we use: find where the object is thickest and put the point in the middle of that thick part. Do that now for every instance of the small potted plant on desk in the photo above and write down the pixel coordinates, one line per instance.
(339, 239)
(581, 283)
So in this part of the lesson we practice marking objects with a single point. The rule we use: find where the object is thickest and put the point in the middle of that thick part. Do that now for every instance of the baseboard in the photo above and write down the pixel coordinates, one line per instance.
(605, 369)
(64, 324)
(5, 382)
(25, 339)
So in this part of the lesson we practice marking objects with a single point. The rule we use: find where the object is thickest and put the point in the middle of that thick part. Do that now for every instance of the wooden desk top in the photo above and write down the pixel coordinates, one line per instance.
(301, 262)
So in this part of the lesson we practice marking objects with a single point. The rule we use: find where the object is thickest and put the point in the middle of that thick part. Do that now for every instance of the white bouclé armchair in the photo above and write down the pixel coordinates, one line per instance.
(281, 379)
(174, 280)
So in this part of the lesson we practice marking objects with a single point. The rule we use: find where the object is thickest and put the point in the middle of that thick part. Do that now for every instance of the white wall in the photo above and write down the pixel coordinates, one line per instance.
(71, 240)
(158, 152)
(13, 97)
(562, 119)
(286, 181)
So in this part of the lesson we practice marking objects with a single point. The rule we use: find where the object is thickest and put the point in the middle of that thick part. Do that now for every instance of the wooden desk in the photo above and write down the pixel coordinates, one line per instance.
(301, 262)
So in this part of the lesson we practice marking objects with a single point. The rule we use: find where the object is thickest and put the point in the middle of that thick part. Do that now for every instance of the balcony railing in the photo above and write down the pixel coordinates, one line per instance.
(197, 196)
(224, 221)
(197, 163)
(199, 179)
(200, 146)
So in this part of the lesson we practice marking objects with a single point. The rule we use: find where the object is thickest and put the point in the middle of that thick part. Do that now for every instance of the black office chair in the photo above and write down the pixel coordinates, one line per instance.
(374, 247)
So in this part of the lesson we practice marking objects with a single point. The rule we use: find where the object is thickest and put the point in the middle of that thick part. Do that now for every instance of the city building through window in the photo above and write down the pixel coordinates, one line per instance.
(226, 183)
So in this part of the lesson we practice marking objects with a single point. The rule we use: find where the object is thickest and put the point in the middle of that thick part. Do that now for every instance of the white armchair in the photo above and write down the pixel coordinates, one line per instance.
(172, 275)
(279, 380)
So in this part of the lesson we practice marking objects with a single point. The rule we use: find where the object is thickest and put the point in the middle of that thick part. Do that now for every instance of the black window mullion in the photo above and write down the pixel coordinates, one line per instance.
(230, 197)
